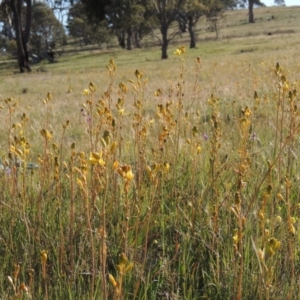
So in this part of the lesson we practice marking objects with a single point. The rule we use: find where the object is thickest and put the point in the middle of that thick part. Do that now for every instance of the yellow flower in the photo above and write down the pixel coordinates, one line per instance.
(129, 267)
(261, 215)
(126, 172)
(261, 254)
(49, 96)
(273, 245)
(291, 228)
(92, 87)
(116, 165)
(44, 256)
(182, 49)
(158, 93)
(86, 92)
(46, 134)
(112, 281)
(235, 239)
(280, 197)
(96, 159)
(113, 146)
(177, 52)
(123, 87)
(129, 175)
(166, 167)
(16, 151)
(79, 182)
(123, 258)
(121, 112)
(247, 112)
(81, 155)
(138, 74)
(199, 149)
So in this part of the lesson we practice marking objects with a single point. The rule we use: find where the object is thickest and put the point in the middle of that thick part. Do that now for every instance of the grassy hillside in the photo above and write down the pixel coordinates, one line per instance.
(123, 176)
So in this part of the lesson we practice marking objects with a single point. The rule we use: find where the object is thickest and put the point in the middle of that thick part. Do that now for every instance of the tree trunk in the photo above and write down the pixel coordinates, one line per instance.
(121, 38)
(28, 20)
(165, 42)
(25, 38)
(129, 39)
(251, 14)
(22, 37)
(137, 38)
(192, 33)
(182, 23)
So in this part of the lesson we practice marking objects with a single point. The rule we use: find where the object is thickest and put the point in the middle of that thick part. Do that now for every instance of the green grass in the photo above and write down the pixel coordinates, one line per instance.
(197, 185)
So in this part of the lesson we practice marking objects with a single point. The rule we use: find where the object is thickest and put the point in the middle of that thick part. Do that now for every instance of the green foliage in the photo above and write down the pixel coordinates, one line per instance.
(148, 200)
(12, 47)
(46, 30)
(96, 9)
(142, 184)
(3, 42)
(124, 18)
(87, 32)
(162, 14)
(215, 22)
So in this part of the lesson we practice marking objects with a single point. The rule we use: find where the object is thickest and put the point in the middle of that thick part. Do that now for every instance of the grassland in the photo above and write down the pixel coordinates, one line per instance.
(127, 177)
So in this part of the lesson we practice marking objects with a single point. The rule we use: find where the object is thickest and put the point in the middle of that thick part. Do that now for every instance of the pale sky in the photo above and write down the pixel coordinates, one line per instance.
(287, 2)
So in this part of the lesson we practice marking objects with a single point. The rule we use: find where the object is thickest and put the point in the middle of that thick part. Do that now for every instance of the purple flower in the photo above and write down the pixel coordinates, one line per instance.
(8, 171)
(205, 136)
(89, 120)
(253, 136)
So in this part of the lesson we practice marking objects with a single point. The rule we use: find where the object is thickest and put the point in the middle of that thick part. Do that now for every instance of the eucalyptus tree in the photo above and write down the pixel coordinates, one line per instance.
(20, 10)
(163, 14)
(191, 12)
(60, 8)
(86, 32)
(46, 30)
(251, 4)
(32, 22)
(124, 17)
(6, 20)
(96, 9)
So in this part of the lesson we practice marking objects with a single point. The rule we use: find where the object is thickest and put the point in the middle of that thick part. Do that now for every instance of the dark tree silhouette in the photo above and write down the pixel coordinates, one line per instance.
(251, 4)
(164, 13)
(22, 31)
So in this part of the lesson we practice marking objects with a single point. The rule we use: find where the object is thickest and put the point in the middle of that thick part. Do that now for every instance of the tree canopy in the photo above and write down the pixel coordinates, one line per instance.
(94, 21)
(96, 9)
(46, 30)
(22, 26)
(84, 31)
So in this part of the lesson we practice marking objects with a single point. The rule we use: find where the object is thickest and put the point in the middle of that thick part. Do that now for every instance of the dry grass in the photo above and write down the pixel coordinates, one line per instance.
(176, 181)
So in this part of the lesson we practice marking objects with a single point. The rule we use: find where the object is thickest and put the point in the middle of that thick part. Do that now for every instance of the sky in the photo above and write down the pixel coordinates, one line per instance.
(287, 2)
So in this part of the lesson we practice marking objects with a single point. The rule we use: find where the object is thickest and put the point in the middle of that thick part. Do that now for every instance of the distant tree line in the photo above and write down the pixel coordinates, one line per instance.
(36, 26)
(131, 20)
(28, 22)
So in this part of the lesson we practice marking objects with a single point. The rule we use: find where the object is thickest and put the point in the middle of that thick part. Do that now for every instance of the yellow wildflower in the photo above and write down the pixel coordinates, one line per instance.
(86, 92)
(96, 159)
(44, 256)
(177, 52)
